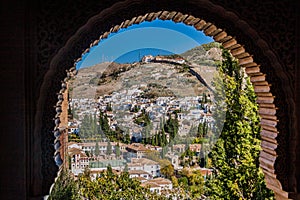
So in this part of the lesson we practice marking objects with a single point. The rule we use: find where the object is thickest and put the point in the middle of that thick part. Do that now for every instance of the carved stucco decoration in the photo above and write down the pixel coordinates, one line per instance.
(56, 57)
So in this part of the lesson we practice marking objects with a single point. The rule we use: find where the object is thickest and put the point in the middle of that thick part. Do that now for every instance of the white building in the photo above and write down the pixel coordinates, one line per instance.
(137, 150)
(79, 160)
(91, 146)
(147, 59)
(158, 185)
(146, 165)
(139, 174)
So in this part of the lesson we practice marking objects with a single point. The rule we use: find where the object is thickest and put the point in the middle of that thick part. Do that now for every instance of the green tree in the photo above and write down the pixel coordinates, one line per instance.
(205, 128)
(135, 109)
(153, 140)
(117, 149)
(74, 137)
(108, 148)
(65, 187)
(183, 182)
(174, 181)
(153, 155)
(86, 130)
(172, 125)
(236, 152)
(146, 134)
(200, 130)
(156, 138)
(143, 119)
(196, 184)
(159, 139)
(192, 182)
(97, 150)
(164, 151)
(126, 168)
(103, 121)
(86, 187)
(166, 168)
(109, 185)
(89, 127)
(204, 98)
(127, 137)
(108, 107)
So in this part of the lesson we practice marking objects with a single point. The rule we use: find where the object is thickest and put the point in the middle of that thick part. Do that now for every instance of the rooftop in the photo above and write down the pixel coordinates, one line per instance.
(143, 161)
(137, 172)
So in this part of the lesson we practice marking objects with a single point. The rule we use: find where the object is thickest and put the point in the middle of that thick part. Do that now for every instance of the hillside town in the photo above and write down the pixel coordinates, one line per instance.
(141, 120)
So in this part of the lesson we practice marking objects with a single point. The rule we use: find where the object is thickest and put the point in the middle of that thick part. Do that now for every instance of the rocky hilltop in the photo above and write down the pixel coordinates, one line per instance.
(205, 54)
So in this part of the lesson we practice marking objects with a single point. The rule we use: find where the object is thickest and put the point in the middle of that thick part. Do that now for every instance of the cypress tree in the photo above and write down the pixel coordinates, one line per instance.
(118, 152)
(200, 130)
(153, 140)
(156, 139)
(97, 150)
(159, 139)
(108, 148)
(163, 137)
(235, 155)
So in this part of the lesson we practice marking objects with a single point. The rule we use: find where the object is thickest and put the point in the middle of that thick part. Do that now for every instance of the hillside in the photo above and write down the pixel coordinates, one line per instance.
(205, 54)
(203, 59)
(169, 79)
(87, 80)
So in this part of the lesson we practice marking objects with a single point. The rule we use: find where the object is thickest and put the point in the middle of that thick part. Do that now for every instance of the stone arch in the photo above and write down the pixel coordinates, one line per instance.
(271, 158)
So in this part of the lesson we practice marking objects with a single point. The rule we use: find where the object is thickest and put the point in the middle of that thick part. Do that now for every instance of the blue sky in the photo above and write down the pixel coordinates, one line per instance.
(156, 37)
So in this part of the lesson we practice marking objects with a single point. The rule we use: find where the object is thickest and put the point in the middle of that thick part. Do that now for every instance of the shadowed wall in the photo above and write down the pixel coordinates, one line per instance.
(32, 34)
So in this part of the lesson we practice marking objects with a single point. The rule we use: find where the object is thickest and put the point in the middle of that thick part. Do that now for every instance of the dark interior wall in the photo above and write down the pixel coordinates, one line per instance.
(297, 102)
(13, 140)
(31, 34)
